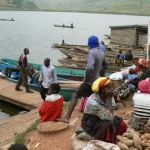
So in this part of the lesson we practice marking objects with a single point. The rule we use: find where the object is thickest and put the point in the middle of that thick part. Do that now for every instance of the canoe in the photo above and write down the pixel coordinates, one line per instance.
(67, 87)
(62, 72)
(12, 19)
(63, 26)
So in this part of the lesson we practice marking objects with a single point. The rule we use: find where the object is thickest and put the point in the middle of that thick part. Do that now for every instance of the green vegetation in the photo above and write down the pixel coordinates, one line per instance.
(20, 137)
(132, 7)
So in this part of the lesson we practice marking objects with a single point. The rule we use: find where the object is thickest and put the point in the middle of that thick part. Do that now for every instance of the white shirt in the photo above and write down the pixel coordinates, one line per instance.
(48, 76)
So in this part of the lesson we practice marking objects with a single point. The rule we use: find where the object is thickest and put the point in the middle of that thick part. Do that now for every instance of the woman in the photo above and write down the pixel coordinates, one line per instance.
(98, 120)
(141, 104)
(51, 108)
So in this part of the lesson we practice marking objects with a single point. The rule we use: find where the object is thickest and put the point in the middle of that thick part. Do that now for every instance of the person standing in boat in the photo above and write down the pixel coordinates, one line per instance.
(23, 66)
(47, 77)
(72, 25)
(94, 63)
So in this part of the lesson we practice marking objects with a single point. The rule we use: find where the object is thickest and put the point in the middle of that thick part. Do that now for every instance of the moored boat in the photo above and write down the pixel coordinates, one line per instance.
(67, 89)
(62, 72)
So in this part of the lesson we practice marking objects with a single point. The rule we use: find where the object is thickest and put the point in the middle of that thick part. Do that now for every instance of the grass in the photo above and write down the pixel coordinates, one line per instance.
(19, 139)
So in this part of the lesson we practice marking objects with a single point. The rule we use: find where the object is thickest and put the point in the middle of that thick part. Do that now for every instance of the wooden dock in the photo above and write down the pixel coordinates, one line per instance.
(19, 123)
(19, 98)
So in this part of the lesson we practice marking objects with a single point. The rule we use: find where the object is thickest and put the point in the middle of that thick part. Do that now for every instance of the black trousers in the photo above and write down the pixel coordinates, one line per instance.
(43, 92)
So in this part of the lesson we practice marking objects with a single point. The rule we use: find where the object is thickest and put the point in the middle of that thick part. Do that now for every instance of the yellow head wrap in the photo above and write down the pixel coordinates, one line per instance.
(100, 83)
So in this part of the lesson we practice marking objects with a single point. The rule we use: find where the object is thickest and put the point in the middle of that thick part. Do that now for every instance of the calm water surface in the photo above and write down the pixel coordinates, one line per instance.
(36, 31)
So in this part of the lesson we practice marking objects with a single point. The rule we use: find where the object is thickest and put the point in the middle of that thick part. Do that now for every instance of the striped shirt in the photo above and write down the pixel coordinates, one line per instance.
(141, 103)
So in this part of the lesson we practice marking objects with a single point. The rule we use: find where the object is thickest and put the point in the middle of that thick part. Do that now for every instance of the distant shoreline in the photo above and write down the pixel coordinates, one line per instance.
(94, 12)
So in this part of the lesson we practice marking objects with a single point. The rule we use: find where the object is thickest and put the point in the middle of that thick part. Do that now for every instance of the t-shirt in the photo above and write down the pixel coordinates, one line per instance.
(141, 103)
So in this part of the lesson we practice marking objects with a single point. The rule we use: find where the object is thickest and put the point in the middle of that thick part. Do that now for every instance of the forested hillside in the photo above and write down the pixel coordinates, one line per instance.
(134, 7)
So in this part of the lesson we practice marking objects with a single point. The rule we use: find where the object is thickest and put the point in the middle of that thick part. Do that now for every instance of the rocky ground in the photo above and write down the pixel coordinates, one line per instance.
(62, 140)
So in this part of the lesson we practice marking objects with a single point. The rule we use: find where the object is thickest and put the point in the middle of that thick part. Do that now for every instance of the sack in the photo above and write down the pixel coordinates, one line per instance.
(82, 104)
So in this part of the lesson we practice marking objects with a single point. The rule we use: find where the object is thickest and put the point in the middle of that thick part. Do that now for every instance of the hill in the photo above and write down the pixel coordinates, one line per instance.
(132, 7)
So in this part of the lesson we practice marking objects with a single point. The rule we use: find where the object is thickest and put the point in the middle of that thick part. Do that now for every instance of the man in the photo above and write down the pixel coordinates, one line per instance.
(47, 77)
(23, 65)
(105, 63)
(94, 63)
(103, 47)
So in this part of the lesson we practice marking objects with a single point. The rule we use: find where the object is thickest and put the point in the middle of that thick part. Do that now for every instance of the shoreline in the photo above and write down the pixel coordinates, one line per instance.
(91, 12)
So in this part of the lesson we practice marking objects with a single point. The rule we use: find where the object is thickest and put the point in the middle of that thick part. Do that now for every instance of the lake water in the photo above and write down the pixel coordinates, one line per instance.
(7, 110)
(36, 31)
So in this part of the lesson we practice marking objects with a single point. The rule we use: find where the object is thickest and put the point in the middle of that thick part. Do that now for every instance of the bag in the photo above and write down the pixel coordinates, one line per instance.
(82, 104)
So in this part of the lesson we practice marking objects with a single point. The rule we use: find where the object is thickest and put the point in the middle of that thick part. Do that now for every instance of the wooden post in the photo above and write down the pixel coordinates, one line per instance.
(148, 45)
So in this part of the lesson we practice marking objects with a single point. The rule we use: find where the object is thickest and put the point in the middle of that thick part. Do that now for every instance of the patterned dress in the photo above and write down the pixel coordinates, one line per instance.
(98, 121)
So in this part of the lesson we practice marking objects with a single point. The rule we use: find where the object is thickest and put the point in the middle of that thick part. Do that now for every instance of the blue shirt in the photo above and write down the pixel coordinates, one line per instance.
(121, 56)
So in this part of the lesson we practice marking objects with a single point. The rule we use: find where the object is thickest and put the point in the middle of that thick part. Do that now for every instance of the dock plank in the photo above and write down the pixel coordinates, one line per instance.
(19, 123)
(16, 124)
(19, 98)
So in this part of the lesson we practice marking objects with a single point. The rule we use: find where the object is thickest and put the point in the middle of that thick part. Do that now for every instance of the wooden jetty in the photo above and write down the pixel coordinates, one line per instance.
(10, 127)
(19, 98)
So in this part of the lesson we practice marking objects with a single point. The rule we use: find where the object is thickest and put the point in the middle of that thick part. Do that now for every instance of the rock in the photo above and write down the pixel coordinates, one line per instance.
(84, 137)
(52, 126)
(78, 144)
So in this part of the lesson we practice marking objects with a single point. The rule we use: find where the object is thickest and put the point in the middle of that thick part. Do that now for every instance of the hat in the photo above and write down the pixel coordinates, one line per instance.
(144, 86)
(100, 83)
(93, 41)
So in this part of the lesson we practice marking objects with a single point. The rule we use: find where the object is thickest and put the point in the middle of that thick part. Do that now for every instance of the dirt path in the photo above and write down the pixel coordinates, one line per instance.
(62, 140)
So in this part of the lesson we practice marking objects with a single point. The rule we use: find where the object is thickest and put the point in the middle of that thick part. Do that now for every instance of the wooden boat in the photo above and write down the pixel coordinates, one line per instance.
(62, 72)
(12, 19)
(67, 87)
(64, 26)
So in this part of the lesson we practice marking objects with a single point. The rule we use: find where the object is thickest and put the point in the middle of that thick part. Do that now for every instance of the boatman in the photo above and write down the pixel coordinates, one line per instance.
(23, 66)
(47, 77)
(94, 63)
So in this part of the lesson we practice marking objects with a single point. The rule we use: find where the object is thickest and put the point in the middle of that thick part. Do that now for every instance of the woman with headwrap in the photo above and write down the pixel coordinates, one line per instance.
(98, 120)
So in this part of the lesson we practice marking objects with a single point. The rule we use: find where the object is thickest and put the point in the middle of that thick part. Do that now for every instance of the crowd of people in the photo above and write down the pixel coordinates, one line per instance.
(98, 119)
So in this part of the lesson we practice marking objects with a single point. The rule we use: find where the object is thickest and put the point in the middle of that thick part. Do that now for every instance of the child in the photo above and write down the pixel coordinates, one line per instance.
(117, 61)
(132, 79)
(121, 55)
(51, 108)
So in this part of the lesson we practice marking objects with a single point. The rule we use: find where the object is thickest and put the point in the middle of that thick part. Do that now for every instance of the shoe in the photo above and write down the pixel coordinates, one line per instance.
(29, 91)
(18, 89)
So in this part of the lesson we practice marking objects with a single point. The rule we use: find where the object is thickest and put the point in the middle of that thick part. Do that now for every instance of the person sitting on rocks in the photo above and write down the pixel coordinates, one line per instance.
(141, 104)
(98, 120)
(51, 108)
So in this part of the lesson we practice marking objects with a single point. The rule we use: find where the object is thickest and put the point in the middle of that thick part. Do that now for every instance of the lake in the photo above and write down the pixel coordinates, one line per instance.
(36, 31)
